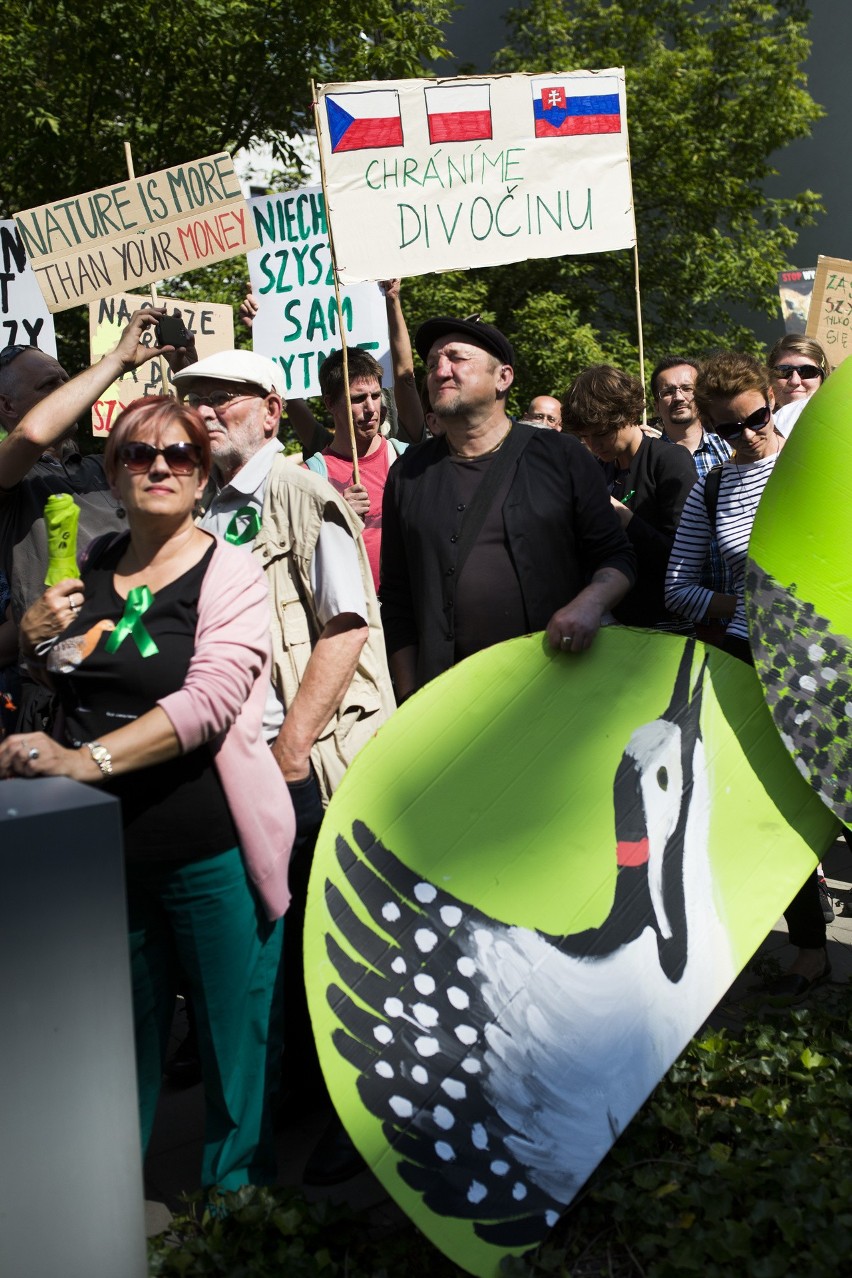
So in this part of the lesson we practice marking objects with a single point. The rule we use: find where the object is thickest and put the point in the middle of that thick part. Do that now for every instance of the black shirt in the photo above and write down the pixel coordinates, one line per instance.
(559, 529)
(172, 811)
(489, 606)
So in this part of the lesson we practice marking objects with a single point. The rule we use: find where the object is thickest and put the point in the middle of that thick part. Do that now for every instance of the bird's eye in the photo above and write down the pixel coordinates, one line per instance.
(663, 779)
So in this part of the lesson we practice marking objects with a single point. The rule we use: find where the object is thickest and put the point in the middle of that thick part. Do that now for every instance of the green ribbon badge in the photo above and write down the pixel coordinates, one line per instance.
(250, 530)
(139, 600)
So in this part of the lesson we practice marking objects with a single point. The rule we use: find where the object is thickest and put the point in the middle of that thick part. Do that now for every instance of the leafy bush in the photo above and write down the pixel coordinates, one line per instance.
(738, 1164)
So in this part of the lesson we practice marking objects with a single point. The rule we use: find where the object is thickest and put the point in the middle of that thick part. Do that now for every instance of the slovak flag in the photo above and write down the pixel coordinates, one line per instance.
(361, 121)
(578, 104)
(458, 112)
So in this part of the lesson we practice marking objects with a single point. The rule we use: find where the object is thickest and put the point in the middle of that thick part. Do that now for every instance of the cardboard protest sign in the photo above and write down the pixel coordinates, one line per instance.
(799, 598)
(24, 317)
(794, 291)
(137, 231)
(437, 175)
(211, 324)
(830, 312)
(291, 272)
(526, 897)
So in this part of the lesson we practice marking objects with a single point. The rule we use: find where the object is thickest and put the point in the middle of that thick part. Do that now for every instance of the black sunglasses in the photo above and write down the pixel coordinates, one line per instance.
(181, 459)
(785, 371)
(756, 421)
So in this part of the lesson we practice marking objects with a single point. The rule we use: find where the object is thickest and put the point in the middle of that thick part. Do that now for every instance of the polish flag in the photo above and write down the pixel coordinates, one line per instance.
(362, 121)
(458, 112)
(565, 106)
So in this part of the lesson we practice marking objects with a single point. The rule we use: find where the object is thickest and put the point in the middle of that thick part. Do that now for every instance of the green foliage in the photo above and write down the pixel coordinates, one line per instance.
(266, 1233)
(715, 88)
(738, 1164)
(713, 91)
(79, 78)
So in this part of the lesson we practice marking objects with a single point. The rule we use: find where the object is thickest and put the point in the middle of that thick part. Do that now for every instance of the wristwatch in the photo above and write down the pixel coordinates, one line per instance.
(101, 756)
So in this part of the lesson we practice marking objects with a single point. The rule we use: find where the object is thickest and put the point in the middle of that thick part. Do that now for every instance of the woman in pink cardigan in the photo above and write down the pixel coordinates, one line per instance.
(160, 657)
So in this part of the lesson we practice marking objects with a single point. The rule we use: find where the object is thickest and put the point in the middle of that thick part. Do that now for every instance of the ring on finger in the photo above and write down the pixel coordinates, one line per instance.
(566, 641)
(32, 753)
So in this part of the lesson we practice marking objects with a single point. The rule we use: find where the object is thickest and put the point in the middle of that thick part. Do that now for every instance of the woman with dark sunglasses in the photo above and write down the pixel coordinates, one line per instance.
(159, 654)
(798, 366)
(735, 398)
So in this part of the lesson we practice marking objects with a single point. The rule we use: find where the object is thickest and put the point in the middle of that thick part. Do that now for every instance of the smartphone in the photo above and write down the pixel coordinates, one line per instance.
(171, 331)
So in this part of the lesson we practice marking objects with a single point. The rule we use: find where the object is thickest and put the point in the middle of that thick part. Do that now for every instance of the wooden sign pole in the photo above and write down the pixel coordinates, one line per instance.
(355, 475)
(164, 366)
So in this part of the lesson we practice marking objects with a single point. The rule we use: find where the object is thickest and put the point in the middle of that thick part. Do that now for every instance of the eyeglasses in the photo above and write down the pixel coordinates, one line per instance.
(9, 353)
(181, 459)
(220, 399)
(669, 392)
(543, 417)
(756, 421)
(805, 371)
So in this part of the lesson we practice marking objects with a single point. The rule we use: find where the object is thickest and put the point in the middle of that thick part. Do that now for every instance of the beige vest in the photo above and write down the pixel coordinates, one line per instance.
(294, 507)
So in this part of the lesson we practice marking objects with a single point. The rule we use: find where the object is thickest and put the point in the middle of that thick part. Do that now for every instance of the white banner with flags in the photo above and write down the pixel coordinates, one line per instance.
(438, 175)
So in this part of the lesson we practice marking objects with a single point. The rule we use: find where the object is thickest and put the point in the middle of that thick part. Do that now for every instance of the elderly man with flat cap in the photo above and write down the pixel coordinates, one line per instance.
(495, 529)
(330, 686)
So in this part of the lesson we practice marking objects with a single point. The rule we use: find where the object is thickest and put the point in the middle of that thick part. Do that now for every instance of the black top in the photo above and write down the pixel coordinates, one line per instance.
(489, 606)
(654, 487)
(23, 537)
(558, 525)
(172, 811)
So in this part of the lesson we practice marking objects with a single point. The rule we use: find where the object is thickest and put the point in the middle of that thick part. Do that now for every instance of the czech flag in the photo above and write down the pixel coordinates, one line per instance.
(458, 112)
(577, 104)
(362, 121)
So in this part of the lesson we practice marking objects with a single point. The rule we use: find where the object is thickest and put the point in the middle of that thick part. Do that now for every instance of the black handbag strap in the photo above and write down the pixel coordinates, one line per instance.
(474, 517)
(711, 494)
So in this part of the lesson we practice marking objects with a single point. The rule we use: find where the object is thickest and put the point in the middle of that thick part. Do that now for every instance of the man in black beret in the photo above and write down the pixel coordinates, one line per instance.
(494, 529)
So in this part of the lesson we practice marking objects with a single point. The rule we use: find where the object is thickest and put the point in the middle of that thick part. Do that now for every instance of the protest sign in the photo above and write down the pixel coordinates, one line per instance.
(496, 987)
(211, 324)
(830, 313)
(438, 175)
(297, 323)
(137, 231)
(794, 290)
(24, 318)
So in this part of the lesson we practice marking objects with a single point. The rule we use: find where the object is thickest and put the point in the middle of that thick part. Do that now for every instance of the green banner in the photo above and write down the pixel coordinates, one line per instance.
(529, 891)
(799, 596)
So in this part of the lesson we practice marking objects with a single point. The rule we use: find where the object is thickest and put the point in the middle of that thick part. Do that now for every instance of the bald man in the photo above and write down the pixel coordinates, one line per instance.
(544, 410)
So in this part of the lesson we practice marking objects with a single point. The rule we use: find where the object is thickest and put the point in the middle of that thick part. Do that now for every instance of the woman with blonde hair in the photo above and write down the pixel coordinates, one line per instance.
(798, 366)
(159, 654)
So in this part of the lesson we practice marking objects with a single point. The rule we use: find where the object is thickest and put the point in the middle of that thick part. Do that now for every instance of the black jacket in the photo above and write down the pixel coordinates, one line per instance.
(560, 529)
(660, 476)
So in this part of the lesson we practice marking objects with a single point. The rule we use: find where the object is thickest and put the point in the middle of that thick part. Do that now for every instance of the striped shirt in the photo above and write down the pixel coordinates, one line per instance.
(740, 490)
(712, 451)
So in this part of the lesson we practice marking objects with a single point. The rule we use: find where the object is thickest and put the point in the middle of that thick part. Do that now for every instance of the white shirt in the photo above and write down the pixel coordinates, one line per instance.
(334, 571)
(785, 418)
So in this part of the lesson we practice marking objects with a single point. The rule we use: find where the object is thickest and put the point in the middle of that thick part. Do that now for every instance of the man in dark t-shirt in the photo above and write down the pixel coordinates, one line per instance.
(540, 549)
(31, 470)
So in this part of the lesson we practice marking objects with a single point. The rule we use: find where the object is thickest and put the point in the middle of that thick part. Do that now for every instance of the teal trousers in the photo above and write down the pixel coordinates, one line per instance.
(203, 920)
